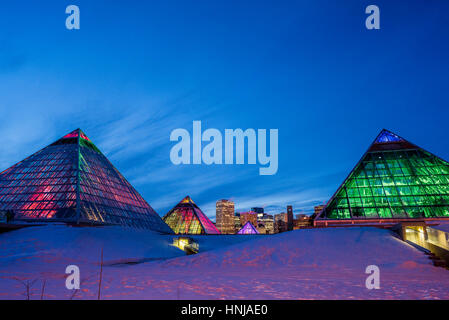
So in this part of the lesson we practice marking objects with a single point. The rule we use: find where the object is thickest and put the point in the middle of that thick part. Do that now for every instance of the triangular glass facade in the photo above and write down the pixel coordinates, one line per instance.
(387, 136)
(72, 181)
(248, 228)
(187, 218)
(394, 179)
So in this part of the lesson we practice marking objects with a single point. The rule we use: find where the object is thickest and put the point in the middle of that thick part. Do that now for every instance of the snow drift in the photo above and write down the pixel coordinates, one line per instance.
(302, 264)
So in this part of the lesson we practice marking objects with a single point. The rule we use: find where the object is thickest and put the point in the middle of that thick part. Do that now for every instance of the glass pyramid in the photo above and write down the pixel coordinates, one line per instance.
(72, 181)
(248, 228)
(187, 218)
(394, 179)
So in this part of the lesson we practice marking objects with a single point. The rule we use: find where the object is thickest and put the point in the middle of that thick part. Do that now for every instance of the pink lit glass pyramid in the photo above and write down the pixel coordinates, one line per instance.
(72, 181)
(187, 218)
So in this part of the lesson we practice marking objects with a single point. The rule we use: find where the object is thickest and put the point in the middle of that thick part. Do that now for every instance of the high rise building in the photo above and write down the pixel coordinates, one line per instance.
(289, 218)
(302, 221)
(187, 218)
(250, 216)
(394, 181)
(237, 222)
(257, 210)
(317, 209)
(280, 222)
(265, 224)
(225, 216)
(72, 181)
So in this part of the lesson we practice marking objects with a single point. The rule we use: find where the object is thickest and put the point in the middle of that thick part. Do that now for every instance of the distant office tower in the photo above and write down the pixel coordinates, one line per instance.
(289, 217)
(281, 222)
(225, 216)
(250, 216)
(302, 221)
(257, 210)
(265, 224)
(318, 209)
(237, 222)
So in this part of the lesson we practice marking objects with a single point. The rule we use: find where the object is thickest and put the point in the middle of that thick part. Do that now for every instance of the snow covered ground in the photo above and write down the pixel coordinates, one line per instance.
(304, 264)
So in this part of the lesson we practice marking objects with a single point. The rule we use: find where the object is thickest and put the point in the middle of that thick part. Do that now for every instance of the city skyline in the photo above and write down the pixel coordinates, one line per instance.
(129, 77)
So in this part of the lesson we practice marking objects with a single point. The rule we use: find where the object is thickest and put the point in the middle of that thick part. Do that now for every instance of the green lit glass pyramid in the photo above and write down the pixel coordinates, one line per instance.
(187, 218)
(72, 181)
(395, 179)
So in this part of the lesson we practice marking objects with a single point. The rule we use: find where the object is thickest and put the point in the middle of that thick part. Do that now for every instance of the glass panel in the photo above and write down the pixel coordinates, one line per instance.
(411, 182)
(187, 218)
(44, 186)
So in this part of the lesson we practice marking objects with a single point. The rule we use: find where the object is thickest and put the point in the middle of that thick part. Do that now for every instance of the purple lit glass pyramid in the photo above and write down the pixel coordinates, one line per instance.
(187, 218)
(72, 181)
(248, 228)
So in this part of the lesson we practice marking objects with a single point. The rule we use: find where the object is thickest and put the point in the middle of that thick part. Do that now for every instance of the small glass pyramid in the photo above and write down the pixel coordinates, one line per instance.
(248, 228)
(187, 218)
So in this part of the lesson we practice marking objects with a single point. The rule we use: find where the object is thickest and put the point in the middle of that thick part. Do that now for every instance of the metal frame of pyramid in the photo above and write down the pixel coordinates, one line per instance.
(394, 181)
(71, 181)
(248, 228)
(187, 218)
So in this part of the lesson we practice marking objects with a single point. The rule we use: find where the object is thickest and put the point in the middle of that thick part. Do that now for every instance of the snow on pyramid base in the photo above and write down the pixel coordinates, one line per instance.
(72, 181)
(187, 218)
(394, 181)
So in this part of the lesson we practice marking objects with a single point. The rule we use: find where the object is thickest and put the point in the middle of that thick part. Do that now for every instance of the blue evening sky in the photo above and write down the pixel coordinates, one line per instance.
(136, 70)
